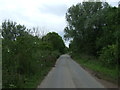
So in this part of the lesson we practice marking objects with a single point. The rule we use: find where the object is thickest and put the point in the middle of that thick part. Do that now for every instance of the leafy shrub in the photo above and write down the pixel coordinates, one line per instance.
(108, 55)
(24, 55)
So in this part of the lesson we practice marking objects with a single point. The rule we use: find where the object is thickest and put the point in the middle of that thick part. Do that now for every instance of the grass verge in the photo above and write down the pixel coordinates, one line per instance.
(109, 74)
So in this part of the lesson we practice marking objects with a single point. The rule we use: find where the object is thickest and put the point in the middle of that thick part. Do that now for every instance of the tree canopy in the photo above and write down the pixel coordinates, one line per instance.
(94, 28)
(56, 41)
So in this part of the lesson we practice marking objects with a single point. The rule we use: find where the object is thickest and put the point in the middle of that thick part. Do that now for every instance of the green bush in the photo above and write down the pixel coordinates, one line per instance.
(24, 57)
(108, 55)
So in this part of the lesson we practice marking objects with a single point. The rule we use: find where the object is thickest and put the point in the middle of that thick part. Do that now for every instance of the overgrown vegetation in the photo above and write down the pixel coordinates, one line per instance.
(95, 30)
(26, 58)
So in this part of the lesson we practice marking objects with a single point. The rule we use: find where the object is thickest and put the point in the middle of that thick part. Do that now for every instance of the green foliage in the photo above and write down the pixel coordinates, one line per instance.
(25, 55)
(108, 55)
(94, 27)
(10, 30)
(56, 41)
(84, 25)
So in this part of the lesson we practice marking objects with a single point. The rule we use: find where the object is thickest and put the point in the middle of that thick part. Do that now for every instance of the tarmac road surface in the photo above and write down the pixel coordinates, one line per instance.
(68, 74)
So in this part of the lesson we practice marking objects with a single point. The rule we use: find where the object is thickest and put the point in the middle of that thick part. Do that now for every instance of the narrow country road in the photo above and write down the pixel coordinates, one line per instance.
(68, 74)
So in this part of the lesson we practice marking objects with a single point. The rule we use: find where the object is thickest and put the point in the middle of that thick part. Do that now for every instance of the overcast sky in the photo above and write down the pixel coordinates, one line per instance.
(46, 14)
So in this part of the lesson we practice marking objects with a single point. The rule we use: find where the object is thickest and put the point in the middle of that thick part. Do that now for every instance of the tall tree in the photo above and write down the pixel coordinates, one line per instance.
(56, 41)
(85, 22)
(10, 30)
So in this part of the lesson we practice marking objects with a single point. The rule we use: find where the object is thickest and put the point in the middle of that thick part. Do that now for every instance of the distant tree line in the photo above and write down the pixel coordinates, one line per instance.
(95, 30)
(24, 54)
